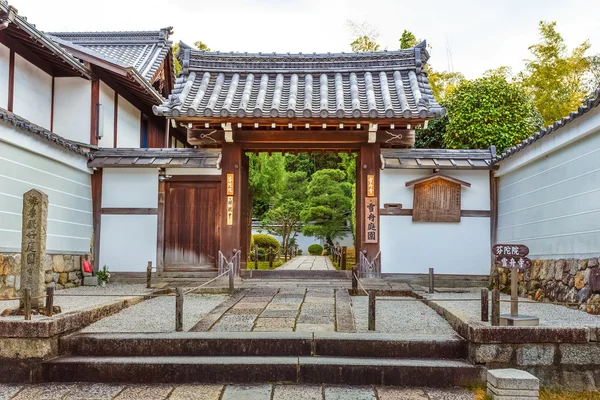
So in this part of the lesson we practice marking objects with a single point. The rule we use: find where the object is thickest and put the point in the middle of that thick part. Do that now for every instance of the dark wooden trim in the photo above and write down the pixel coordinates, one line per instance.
(368, 163)
(409, 212)
(167, 133)
(116, 117)
(195, 178)
(160, 236)
(11, 81)
(95, 117)
(96, 214)
(25, 53)
(52, 108)
(130, 211)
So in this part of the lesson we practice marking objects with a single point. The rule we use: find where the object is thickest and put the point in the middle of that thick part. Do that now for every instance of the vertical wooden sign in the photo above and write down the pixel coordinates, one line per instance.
(229, 210)
(371, 220)
(229, 184)
(370, 185)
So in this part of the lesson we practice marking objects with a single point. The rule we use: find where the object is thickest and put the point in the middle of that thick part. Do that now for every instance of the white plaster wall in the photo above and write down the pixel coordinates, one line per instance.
(4, 69)
(128, 242)
(68, 190)
(73, 108)
(551, 203)
(32, 93)
(107, 99)
(450, 248)
(128, 125)
(129, 188)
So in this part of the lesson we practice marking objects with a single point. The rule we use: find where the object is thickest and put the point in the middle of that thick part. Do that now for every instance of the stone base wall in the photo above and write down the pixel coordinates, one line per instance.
(62, 270)
(558, 280)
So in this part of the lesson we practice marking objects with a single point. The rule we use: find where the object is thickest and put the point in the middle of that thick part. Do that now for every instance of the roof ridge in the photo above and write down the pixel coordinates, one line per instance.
(162, 33)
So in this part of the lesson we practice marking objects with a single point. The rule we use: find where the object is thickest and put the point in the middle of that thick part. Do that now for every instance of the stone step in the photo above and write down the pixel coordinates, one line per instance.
(369, 345)
(295, 274)
(330, 370)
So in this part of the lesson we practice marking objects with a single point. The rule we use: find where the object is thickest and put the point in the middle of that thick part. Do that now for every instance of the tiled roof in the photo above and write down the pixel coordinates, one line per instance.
(387, 84)
(23, 124)
(155, 158)
(437, 158)
(143, 50)
(587, 106)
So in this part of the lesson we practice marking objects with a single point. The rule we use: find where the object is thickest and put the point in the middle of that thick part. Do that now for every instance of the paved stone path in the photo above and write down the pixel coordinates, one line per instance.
(309, 263)
(100, 391)
(267, 309)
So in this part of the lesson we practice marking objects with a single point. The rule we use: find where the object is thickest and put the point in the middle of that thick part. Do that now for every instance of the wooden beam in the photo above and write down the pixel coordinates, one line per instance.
(27, 54)
(409, 212)
(130, 211)
(116, 119)
(195, 178)
(368, 163)
(52, 108)
(96, 214)
(160, 234)
(95, 117)
(11, 81)
(231, 230)
(493, 208)
(302, 121)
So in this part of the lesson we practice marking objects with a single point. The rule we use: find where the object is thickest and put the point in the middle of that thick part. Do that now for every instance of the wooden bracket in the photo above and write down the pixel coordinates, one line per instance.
(372, 133)
(228, 132)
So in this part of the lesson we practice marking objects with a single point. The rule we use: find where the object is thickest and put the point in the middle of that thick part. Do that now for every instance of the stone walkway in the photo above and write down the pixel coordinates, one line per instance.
(309, 263)
(101, 391)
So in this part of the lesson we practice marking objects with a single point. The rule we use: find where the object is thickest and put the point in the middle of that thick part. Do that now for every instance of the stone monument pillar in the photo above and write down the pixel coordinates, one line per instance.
(33, 246)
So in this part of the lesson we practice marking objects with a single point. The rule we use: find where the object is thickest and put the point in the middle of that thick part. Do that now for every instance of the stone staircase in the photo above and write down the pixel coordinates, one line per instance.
(236, 357)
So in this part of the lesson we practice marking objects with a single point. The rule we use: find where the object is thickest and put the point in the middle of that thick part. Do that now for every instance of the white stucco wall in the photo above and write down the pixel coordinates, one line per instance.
(450, 248)
(73, 108)
(128, 125)
(32, 93)
(548, 193)
(107, 99)
(26, 163)
(128, 242)
(4, 69)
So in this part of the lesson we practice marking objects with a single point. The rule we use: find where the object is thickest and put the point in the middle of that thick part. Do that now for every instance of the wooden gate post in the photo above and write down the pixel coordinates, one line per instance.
(354, 280)
(179, 309)
(343, 265)
(431, 281)
(49, 301)
(149, 275)
(372, 310)
(270, 258)
(495, 307)
(255, 256)
(485, 305)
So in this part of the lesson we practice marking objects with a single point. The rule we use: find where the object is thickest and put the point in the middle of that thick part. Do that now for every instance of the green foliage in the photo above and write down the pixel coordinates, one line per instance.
(267, 181)
(329, 205)
(176, 65)
(408, 40)
(433, 136)
(364, 43)
(443, 83)
(284, 221)
(315, 249)
(366, 36)
(594, 75)
(489, 111)
(265, 241)
(200, 45)
(299, 252)
(555, 77)
(103, 274)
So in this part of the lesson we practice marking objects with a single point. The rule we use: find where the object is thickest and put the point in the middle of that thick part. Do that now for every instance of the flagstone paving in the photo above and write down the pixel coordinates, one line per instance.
(101, 391)
(308, 263)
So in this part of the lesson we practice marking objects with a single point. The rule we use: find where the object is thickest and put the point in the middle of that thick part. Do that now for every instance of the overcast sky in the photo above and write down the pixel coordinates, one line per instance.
(479, 35)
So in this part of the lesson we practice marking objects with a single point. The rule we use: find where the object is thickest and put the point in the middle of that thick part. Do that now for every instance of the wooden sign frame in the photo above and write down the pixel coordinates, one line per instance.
(229, 210)
(371, 221)
(230, 184)
(437, 198)
(371, 185)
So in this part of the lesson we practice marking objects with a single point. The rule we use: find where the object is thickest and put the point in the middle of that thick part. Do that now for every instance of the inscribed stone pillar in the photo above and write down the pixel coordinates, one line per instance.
(33, 245)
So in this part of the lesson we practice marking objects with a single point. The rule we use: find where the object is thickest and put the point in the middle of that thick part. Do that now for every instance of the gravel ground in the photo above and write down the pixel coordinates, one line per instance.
(91, 298)
(549, 314)
(158, 315)
(402, 317)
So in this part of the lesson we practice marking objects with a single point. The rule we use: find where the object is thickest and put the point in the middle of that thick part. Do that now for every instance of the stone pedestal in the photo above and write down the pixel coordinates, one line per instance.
(33, 246)
(512, 384)
(91, 281)
(518, 320)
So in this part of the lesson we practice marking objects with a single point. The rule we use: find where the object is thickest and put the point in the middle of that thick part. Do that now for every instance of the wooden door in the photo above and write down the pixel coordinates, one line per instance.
(192, 218)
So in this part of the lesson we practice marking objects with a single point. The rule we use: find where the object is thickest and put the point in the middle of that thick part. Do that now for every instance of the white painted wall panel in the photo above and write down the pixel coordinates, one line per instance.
(107, 99)
(450, 248)
(32, 93)
(129, 188)
(128, 125)
(69, 198)
(4, 68)
(73, 108)
(551, 204)
(128, 242)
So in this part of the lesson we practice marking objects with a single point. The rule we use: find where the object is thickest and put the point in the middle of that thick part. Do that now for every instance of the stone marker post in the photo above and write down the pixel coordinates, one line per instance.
(33, 246)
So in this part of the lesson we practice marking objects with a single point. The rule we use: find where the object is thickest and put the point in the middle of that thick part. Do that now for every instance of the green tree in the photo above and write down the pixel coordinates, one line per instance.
(365, 36)
(489, 111)
(408, 40)
(555, 76)
(443, 83)
(329, 205)
(267, 181)
(284, 220)
(594, 75)
(200, 45)
(432, 137)
(176, 65)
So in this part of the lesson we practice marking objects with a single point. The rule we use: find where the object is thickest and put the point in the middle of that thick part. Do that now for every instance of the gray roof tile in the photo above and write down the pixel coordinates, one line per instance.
(143, 50)
(156, 158)
(438, 158)
(387, 84)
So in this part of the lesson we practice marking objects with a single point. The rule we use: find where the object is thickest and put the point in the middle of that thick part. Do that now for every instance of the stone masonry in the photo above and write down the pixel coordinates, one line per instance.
(62, 270)
(566, 280)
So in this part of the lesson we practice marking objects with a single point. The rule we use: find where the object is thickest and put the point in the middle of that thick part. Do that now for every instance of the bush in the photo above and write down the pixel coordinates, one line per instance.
(299, 252)
(315, 249)
(265, 241)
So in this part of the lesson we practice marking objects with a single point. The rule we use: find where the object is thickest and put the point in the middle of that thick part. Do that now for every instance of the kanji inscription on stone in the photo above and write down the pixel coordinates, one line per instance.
(33, 245)
(371, 220)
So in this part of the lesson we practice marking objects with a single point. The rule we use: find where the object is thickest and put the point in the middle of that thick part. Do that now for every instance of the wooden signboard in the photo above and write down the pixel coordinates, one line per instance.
(436, 200)
(517, 262)
(229, 184)
(371, 220)
(371, 185)
(510, 250)
(229, 210)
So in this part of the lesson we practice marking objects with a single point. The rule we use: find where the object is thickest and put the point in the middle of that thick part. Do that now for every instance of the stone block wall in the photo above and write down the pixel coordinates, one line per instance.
(62, 270)
(566, 280)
